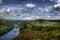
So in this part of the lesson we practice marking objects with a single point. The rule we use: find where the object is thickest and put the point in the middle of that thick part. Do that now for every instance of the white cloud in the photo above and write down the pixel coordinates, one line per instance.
(58, 1)
(30, 5)
(57, 5)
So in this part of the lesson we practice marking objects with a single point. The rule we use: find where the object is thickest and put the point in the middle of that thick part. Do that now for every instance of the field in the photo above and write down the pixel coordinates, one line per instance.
(40, 30)
(8, 25)
(5, 27)
(32, 30)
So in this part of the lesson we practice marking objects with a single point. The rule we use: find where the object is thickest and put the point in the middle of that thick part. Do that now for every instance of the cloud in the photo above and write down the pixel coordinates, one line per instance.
(30, 5)
(58, 1)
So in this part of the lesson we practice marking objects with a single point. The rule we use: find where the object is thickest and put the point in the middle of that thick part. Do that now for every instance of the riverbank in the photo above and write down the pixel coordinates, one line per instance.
(5, 27)
(33, 29)
(11, 34)
(44, 34)
(40, 30)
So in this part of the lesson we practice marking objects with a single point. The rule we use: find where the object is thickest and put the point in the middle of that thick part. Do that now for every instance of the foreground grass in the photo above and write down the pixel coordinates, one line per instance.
(8, 25)
(32, 30)
(4, 29)
(39, 35)
(37, 30)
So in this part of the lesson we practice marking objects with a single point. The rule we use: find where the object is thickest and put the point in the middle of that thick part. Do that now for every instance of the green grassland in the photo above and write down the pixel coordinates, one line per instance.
(37, 30)
(5, 27)
(32, 30)
(8, 25)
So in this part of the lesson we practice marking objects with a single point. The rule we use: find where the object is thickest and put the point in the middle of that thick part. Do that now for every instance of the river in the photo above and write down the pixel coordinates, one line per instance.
(10, 35)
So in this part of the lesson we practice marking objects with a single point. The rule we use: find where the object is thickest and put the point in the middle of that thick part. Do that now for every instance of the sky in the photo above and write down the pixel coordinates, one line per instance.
(30, 9)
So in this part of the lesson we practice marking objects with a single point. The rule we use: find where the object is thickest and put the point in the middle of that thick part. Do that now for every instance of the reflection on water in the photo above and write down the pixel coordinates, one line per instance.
(8, 36)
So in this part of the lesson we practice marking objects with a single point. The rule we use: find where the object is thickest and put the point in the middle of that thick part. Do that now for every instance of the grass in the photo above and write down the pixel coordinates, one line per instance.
(39, 35)
(40, 31)
(4, 29)
(32, 30)
(7, 25)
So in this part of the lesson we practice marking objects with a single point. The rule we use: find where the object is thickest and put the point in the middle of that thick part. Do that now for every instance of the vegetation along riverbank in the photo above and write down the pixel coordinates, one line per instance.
(40, 30)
